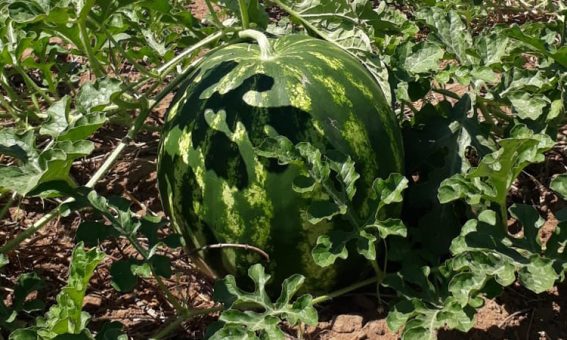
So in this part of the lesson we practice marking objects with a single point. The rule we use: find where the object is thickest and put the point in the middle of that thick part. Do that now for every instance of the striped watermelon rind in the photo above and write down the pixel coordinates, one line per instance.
(217, 189)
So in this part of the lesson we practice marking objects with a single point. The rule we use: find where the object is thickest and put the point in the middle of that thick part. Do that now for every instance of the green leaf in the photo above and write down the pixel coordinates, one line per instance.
(391, 226)
(559, 185)
(123, 278)
(324, 210)
(66, 316)
(111, 331)
(52, 164)
(94, 96)
(450, 30)
(20, 146)
(492, 47)
(237, 322)
(24, 334)
(161, 265)
(26, 284)
(531, 222)
(233, 332)
(143, 270)
(64, 124)
(331, 247)
(346, 172)
(485, 251)
(537, 44)
(57, 120)
(303, 184)
(366, 245)
(390, 190)
(491, 180)
(556, 110)
(528, 106)
(278, 147)
(93, 233)
(422, 322)
(319, 169)
(538, 275)
(256, 11)
(425, 58)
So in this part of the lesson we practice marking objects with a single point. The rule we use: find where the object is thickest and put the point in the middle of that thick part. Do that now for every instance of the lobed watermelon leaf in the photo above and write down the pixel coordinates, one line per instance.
(241, 318)
(490, 181)
(67, 317)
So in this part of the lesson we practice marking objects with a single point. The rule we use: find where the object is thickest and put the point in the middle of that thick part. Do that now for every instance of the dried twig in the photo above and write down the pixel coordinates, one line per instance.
(232, 245)
(511, 316)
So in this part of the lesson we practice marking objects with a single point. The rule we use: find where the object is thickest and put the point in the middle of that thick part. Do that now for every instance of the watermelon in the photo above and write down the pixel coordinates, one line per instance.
(217, 189)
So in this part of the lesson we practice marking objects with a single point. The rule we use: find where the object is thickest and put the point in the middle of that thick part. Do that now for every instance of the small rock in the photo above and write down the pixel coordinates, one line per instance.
(347, 323)
(92, 301)
(375, 329)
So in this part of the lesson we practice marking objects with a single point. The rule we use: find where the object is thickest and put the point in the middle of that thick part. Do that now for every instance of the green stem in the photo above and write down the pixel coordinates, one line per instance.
(353, 219)
(379, 275)
(7, 206)
(447, 93)
(343, 291)
(181, 310)
(308, 25)
(125, 53)
(84, 36)
(173, 325)
(165, 68)
(244, 14)
(214, 15)
(266, 50)
(10, 91)
(504, 217)
(296, 15)
(496, 111)
(30, 83)
(563, 38)
(9, 110)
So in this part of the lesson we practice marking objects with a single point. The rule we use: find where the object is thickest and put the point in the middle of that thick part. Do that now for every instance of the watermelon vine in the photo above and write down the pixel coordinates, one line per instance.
(312, 149)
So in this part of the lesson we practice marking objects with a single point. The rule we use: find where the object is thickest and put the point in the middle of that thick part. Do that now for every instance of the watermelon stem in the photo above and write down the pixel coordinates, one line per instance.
(266, 51)
(345, 290)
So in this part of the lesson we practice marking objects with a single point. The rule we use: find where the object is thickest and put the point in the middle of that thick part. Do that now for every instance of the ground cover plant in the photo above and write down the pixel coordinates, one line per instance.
(478, 89)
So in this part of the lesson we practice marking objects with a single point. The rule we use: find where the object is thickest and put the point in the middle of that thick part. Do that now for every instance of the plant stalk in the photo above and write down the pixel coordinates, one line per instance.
(343, 291)
(266, 50)
(244, 14)
(173, 325)
(174, 61)
(84, 36)
(214, 15)
(9, 110)
(30, 83)
(7, 206)
(504, 217)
